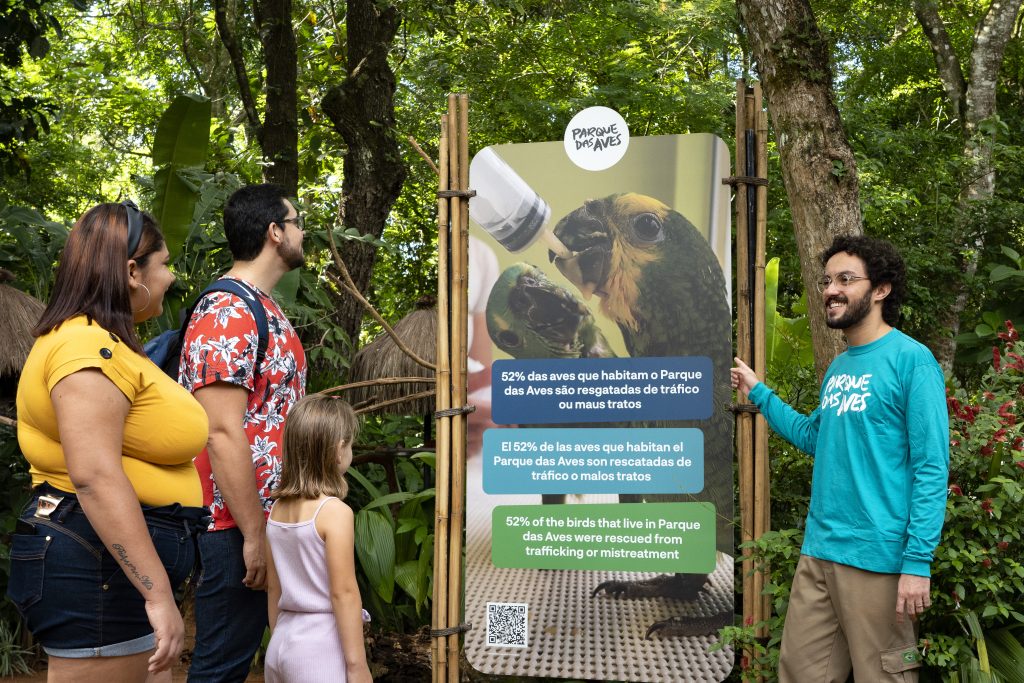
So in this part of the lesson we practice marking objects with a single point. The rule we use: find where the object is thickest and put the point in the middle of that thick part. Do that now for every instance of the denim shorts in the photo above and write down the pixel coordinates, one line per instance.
(72, 593)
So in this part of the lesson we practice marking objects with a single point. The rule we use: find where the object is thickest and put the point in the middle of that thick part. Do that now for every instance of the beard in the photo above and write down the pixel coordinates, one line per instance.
(855, 311)
(293, 256)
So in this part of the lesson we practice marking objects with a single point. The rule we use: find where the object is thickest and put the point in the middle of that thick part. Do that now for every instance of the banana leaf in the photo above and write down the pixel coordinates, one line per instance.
(181, 143)
(375, 548)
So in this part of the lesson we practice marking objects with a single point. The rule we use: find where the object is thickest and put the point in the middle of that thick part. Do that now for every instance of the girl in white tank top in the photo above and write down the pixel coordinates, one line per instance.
(316, 615)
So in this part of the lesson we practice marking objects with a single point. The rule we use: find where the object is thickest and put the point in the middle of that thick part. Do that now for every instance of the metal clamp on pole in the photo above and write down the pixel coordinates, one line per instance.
(744, 180)
(451, 412)
(445, 632)
(456, 193)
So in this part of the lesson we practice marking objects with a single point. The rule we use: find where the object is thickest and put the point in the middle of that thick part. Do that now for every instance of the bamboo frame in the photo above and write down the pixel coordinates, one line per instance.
(458, 119)
(762, 476)
(751, 429)
(744, 445)
(452, 305)
(439, 618)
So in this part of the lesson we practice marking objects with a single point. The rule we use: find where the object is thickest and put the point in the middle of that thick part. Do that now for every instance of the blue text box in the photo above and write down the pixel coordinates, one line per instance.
(546, 391)
(618, 460)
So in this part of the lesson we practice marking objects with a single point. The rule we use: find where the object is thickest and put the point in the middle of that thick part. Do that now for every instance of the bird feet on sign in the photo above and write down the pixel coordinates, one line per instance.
(680, 586)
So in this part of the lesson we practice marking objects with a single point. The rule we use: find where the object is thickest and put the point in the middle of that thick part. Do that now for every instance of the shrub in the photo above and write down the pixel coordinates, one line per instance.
(977, 568)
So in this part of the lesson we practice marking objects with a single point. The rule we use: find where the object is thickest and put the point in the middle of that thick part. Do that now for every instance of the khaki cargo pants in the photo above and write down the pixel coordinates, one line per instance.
(842, 618)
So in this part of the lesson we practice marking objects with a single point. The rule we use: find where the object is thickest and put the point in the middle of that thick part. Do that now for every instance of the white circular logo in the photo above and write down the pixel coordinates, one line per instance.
(596, 138)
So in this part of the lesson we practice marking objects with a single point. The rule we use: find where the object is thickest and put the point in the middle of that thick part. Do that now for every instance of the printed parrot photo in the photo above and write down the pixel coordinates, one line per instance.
(659, 281)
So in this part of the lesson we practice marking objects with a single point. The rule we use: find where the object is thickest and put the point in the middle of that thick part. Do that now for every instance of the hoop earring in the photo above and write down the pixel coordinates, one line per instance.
(149, 298)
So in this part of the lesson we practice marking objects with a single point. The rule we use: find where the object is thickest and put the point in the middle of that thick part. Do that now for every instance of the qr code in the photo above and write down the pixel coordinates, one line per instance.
(507, 624)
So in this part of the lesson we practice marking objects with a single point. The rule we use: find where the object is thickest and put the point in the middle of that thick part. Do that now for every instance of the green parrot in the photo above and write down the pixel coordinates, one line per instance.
(661, 283)
(528, 316)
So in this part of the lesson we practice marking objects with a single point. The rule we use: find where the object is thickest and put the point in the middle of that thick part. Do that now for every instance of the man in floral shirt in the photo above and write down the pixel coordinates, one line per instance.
(247, 408)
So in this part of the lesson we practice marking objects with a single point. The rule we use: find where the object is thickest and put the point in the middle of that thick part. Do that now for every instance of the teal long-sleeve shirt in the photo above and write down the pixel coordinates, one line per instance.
(880, 441)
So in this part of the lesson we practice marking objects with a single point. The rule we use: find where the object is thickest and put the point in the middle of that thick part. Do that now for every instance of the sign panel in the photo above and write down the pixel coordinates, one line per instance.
(599, 479)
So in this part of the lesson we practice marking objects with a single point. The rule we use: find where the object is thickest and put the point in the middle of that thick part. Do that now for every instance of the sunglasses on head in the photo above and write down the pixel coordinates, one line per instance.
(134, 225)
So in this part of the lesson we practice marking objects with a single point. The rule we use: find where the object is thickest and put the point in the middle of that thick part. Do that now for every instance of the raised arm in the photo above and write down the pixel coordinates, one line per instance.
(336, 524)
(798, 429)
(91, 413)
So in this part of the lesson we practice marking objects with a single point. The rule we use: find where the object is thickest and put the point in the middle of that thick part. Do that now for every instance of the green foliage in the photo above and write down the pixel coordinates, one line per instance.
(978, 568)
(788, 340)
(15, 483)
(29, 245)
(13, 657)
(1005, 292)
(778, 553)
(181, 142)
(395, 529)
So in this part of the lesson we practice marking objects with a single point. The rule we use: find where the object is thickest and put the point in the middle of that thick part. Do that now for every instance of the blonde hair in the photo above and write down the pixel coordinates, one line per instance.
(315, 426)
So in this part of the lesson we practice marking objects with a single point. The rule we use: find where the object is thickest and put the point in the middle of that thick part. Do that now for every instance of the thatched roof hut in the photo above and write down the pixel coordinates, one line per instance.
(19, 313)
(382, 358)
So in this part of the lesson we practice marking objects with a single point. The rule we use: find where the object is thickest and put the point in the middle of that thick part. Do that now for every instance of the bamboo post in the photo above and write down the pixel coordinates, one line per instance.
(762, 492)
(458, 149)
(744, 443)
(439, 616)
(751, 429)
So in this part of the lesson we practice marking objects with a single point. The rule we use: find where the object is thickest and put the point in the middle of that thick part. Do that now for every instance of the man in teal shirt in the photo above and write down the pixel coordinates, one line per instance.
(880, 438)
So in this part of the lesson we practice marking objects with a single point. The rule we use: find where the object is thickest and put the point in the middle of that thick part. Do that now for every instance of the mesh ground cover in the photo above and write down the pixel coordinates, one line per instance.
(572, 634)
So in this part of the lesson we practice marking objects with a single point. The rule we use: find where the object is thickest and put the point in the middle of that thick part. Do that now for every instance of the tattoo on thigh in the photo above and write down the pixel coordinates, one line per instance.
(123, 555)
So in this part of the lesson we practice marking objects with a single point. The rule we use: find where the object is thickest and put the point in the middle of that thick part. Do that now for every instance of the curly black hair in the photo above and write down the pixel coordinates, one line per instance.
(884, 265)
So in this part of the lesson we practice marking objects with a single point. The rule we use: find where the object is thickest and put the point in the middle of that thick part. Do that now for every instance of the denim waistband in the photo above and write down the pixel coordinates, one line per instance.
(173, 516)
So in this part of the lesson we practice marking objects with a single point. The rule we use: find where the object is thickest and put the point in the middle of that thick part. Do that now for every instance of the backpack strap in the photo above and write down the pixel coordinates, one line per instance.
(252, 300)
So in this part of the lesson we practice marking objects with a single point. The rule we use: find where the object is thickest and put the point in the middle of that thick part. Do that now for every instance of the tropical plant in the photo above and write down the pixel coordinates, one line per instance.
(978, 573)
(395, 529)
(13, 657)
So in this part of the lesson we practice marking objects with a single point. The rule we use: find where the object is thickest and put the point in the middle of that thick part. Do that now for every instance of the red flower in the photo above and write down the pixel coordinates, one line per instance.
(986, 563)
(986, 505)
(953, 443)
(1019, 463)
(955, 490)
(1018, 443)
(989, 396)
(986, 450)
(952, 405)
(995, 358)
(1003, 545)
(1011, 334)
(1000, 435)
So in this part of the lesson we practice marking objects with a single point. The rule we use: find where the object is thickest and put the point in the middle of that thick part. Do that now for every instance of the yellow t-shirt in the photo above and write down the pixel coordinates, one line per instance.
(164, 430)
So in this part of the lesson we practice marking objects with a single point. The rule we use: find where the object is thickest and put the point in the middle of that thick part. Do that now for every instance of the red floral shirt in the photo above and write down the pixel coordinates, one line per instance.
(220, 346)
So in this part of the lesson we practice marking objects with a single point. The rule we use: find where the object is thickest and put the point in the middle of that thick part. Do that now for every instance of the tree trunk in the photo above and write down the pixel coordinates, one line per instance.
(818, 166)
(279, 136)
(973, 99)
(278, 132)
(361, 108)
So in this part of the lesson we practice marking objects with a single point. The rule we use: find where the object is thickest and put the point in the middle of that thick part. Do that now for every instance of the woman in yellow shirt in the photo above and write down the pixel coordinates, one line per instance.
(109, 532)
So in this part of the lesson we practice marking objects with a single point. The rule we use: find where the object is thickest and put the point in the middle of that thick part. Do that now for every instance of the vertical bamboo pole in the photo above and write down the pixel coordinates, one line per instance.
(744, 442)
(762, 495)
(754, 354)
(439, 616)
(459, 149)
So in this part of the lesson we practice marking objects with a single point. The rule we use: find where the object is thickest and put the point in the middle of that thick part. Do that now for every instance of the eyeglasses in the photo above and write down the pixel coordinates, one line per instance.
(842, 281)
(299, 221)
(134, 225)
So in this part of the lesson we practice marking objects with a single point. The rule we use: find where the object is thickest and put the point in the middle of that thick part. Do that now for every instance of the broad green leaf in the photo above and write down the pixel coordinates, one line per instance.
(287, 288)
(375, 548)
(181, 142)
(771, 294)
